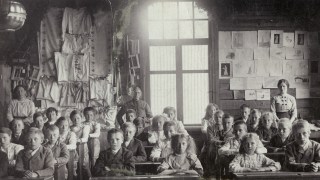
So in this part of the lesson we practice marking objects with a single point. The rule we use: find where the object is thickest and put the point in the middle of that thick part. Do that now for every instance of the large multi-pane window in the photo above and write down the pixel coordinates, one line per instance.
(178, 61)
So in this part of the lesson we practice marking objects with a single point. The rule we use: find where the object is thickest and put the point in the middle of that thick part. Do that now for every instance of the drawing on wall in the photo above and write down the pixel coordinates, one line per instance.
(225, 70)
(224, 39)
(275, 68)
(250, 95)
(262, 67)
(292, 53)
(262, 53)
(243, 68)
(300, 39)
(276, 38)
(288, 39)
(263, 94)
(301, 82)
(237, 39)
(277, 53)
(264, 38)
(227, 54)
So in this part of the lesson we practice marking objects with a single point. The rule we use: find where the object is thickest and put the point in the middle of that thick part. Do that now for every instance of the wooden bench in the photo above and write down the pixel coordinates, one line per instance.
(81, 160)
(38, 178)
(277, 175)
(154, 177)
(146, 168)
(70, 164)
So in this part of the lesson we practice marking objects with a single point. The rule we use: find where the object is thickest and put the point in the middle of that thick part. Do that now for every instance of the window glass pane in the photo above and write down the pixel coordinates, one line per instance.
(170, 10)
(195, 97)
(155, 30)
(185, 30)
(155, 11)
(201, 29)
(200, 13)
(170, 30)
(162, 92)
(162, 58)
(195, 57)
(185, 10)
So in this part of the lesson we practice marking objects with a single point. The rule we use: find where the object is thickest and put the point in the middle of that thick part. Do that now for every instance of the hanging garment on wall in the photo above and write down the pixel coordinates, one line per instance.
(44, 89)
(76, 21)
(55, 92)
(49, 40)
(81, 92)
(74, 44)
(67, 95)
(101, 49)
(64, 66)
(101, 89)
(81, 67)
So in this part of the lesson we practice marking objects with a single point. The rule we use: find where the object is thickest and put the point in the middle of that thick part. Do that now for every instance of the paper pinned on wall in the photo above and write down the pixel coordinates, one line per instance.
(225, 40)
(288, 67)
(238, 94)
(262, 53)
(244, 54)
(301, 68)
(277, 53)
(306, 53)
(243, 69)
(237, 83)
(262, 67)
(276, 38)
(301, 82)
(275, 68)
(254, 82)
(272, 82)
(263, 94)
(227, 54)
(313, 39)
(246, 83)
(302, 93)
(244, 39)
(300, 39)
(288, 39)
(250, 95)
(264, 38)
(293, 53)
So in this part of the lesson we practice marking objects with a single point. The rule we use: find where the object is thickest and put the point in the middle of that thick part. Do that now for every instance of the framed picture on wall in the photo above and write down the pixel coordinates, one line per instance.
(225, 69)
(18, 72)
(35, 73)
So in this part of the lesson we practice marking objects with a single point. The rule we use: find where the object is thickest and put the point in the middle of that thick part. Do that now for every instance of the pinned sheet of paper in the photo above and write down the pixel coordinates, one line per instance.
(264, 38)
(225, 40)
(276, 38)
(263, 94)
(227, 54)
(244, 39)
(262, 67)
(288, 39)
(238, 83)
(293, 53)
(262, 53)
(250, 95)
(302, 68)
(289, 67)
(275, 68)
(277, 53)
(254, 82)
(243, 69)
(302, 93)
(244, 54)
(301, 82)
(313, 39)
(238, 94)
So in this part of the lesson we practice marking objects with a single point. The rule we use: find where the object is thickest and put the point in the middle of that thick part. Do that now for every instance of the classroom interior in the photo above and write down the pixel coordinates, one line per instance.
(181, 53)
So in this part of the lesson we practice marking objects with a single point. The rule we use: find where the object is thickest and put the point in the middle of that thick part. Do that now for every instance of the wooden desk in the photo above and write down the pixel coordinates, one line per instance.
(278, 156)
(70, 164)
(38, 178)
(277, 175)
(80, 147)
(59, 171)
(155, 177)
(147, 168)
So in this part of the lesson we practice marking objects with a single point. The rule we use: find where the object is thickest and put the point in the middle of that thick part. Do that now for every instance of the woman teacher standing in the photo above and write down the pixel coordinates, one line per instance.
(284, 105)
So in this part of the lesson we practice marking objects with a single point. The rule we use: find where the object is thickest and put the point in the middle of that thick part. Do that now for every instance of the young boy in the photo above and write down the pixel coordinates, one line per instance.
(52, 115)
(35, 160)
(245, 111)
(254, 120)
(131, 115)
(115, 161)
(93, 142)
(4, 164)
(18, 136)
(266, 130)
(59, 149)
(156, 132)
(302, 154)
(284, 137)
(133, 144)
(171, 114)
(163, 147)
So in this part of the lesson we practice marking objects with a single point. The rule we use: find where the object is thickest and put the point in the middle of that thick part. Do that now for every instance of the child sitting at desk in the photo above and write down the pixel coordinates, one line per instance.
(302, 154)
(171, 114)
(52, 115)
(115, 161)
(266, 129)
(142, 132)
(248, 160)
(38, 121)
(156, 132)
(182, 160)
(253, 120)
(162, 149)
(245, 112)
(133, 144)
(35, 160)
(131, 115)
(284, 137)
(18, 132)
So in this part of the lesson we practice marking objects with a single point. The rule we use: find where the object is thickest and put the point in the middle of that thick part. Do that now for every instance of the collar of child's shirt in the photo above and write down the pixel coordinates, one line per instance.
(305, 146)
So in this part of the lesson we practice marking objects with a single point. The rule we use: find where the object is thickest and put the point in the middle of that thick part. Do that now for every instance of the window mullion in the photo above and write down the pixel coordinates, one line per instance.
(179, 82)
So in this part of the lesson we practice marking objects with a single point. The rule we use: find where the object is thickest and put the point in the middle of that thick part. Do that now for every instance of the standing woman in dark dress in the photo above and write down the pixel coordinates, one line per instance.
(284, 105)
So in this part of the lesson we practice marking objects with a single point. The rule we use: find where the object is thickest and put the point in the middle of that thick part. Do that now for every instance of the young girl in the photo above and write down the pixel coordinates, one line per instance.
(266, 130)
(182, 160)
(284, 136)
(156, 132)
(38, 121)
(171, 113)
(52, 115)
(142, 133)
(254, 120)
(248, 160)
(208, 119)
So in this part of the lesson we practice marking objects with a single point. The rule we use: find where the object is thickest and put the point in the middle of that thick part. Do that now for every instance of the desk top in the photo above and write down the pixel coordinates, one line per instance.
(38, 178)
(155, 177)
(277, 175)
(148, 163)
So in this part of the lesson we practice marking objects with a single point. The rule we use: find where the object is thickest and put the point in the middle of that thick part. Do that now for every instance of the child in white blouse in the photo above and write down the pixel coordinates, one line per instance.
(171, 114)
(182, 160)
(249, 160)
(156, 132)
(208, 119)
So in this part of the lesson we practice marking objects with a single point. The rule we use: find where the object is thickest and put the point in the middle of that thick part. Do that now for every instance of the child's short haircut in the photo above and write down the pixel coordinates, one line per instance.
(286, 122)
(157, 118)
(131, 111)
(244, 106)
(255, 111)
(36, 115)
(114, 131)
(34, 130)
(128, 125)
(5, 130)
(74, 113)
(300, 124)
(50, 110)
(268, 114)
(138, 121)
(87, 109)
(15, 120)
(168, 124)
(191, 148)
(51, 128)
(227, 116)
(167, 109)
(244, 139)
(61, 120)
(240, 123)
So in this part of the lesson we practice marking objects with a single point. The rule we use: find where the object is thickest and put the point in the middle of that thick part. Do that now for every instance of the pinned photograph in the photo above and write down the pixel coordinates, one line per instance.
(225, 70)
(35, 73)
